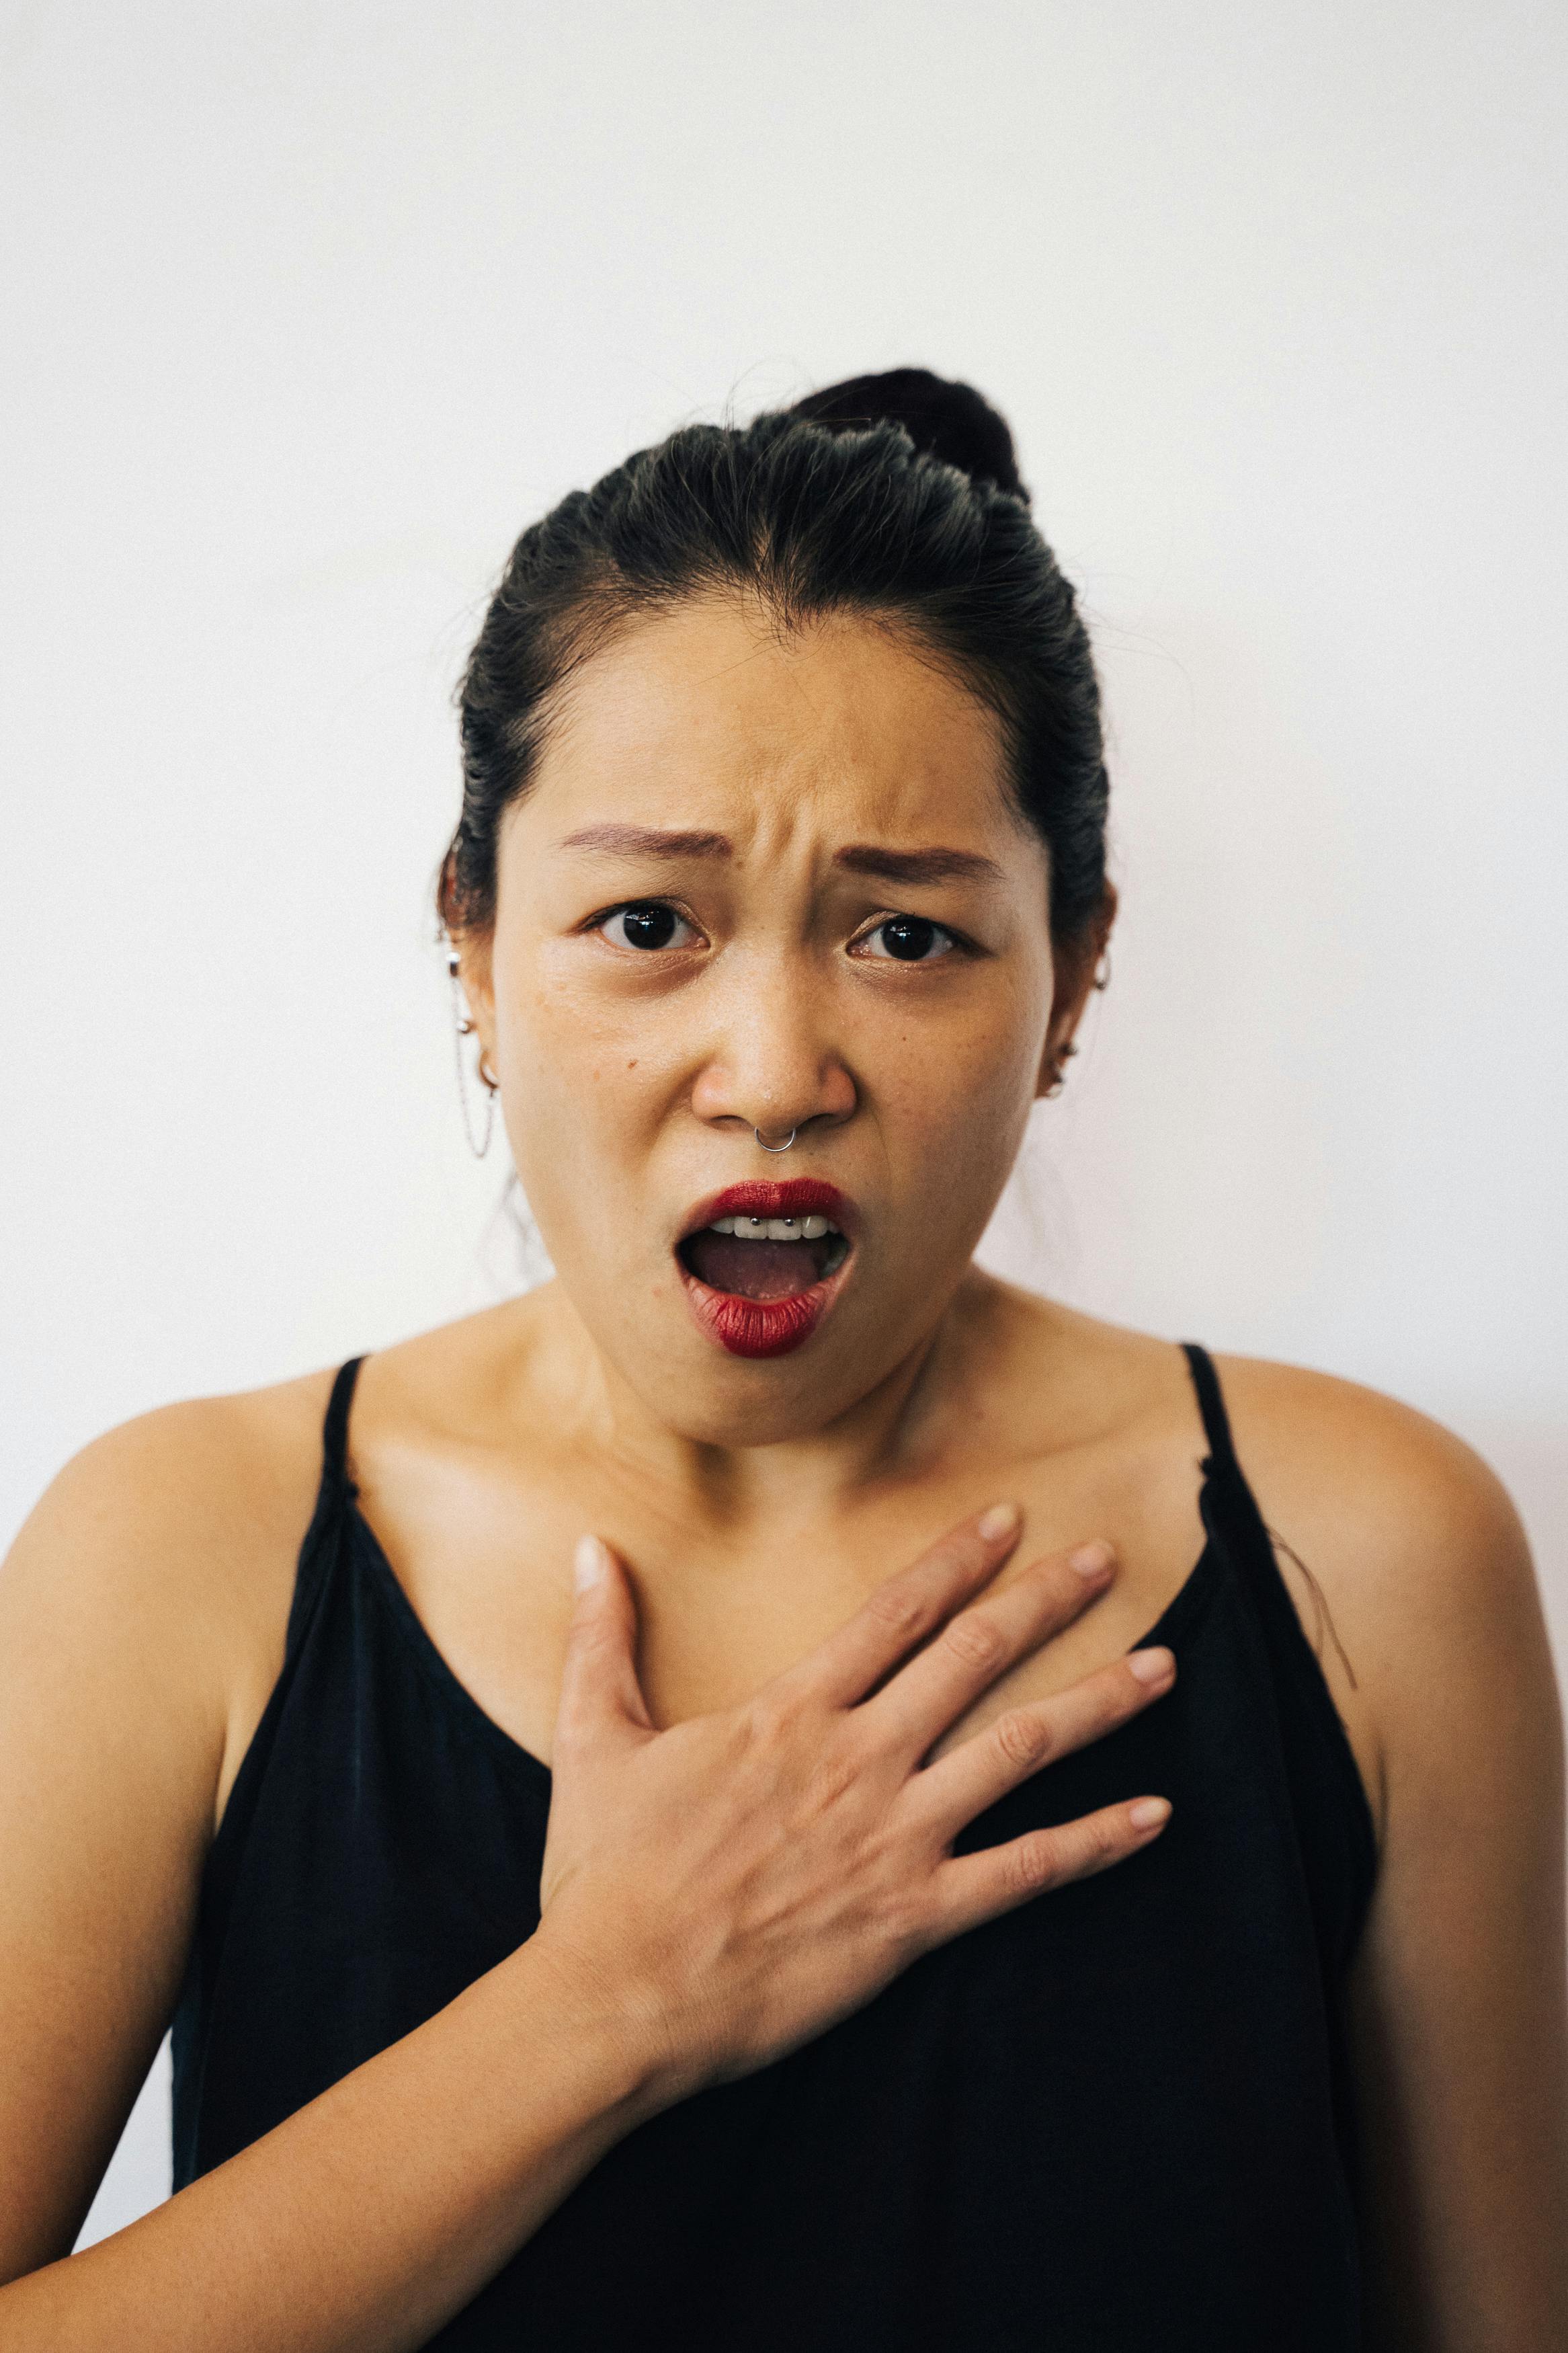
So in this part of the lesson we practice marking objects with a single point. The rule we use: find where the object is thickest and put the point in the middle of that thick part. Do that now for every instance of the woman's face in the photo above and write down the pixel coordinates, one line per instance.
(765, 879)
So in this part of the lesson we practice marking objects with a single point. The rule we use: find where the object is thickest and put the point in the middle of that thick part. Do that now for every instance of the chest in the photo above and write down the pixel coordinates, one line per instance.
(489, 1582)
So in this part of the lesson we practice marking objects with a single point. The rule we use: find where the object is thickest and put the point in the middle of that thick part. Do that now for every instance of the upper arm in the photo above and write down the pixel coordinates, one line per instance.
(1458, 1993)
(118, 1636)
(1459, 1996)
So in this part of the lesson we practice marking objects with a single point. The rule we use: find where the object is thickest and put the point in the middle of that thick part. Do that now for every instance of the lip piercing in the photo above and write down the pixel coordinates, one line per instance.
(776, 1148)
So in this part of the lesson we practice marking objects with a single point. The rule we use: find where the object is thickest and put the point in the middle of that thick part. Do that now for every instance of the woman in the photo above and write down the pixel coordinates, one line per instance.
(781, 1939)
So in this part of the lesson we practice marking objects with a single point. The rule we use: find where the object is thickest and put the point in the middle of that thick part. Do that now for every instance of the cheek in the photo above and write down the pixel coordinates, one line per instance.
(583, 1119)
(581, 1102)
(560, 1042)
(953, 1115)
(974, 1063)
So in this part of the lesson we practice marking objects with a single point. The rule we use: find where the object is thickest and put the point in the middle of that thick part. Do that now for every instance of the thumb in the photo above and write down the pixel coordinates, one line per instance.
(600, 1691)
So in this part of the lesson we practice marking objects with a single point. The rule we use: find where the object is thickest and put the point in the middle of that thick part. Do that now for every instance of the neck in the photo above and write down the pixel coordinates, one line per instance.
(889, 1434)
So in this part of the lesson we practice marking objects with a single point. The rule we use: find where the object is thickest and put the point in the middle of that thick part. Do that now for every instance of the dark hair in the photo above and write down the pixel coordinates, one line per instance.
(894, 495)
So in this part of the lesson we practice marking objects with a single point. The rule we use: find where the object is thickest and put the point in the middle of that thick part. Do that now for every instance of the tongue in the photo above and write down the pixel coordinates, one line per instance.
(754, 1270)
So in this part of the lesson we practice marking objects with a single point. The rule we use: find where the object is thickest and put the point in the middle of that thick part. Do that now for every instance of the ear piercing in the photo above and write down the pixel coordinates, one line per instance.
(1059, 1076)
(487, 1076)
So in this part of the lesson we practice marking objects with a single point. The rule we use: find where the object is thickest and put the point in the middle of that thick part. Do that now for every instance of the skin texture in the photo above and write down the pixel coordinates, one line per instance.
(756, 1506)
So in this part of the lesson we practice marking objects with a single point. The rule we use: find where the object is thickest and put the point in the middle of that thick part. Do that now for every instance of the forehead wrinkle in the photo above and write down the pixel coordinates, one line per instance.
(795, 753)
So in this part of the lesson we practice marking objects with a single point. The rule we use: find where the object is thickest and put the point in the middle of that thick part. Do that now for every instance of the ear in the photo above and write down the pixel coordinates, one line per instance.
(1075, 962)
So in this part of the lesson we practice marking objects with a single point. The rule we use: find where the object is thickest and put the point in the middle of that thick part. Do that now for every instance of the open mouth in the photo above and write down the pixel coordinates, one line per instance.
(761, 1265)
(763, 1257)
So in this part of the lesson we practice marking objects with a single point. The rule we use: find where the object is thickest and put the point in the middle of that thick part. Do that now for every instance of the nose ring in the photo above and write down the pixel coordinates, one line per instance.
(776, 1148)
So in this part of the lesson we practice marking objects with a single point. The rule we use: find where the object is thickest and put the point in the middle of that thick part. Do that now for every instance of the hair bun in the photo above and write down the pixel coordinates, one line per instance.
(950, 421)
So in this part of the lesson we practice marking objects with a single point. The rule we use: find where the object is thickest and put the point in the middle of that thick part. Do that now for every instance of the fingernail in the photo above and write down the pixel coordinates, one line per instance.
(1000, 1521)
(587, 1563)
(1152, 1666)
(1148, 1812)
(1090, 1558)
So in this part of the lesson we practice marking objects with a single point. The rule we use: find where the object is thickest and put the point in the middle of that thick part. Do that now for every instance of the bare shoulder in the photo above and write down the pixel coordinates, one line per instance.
(1397, 1509)
(159, 1561)
(1416, 1533)
(185, 1490)
(1398, 1545)
(1421, 1559)
(1387, 1477)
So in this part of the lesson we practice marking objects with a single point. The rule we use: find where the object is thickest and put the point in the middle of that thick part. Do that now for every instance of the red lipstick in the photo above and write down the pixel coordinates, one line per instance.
(766, 1327)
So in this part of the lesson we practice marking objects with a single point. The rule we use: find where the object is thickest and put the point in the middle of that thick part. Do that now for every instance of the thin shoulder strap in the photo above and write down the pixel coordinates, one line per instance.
(1231, 1511)
(1233, 1516)
(1228, 1506)
(1211, 1405)
(318, 1554)
(335, 1488)
(335, 1429)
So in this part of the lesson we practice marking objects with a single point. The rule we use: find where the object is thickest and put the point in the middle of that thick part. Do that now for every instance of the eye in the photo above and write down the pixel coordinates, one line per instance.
(912, 939)
(645, 924)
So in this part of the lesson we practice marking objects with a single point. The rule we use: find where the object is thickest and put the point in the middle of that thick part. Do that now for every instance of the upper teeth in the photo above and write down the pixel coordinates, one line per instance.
(774, 1230)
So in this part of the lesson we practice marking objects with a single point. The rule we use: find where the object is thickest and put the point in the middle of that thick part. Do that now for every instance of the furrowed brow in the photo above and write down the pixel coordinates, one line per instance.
(648, 841)
(934, 865)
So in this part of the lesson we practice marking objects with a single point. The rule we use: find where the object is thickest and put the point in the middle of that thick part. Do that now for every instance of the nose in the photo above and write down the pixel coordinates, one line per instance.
(772, 1063)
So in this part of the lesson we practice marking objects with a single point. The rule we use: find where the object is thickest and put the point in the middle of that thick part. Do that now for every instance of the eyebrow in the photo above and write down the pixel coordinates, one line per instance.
(649, 841)
(938, 864)
(935, 865)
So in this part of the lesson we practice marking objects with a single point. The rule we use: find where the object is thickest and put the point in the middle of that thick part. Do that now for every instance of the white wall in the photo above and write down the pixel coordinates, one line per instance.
(309, 309)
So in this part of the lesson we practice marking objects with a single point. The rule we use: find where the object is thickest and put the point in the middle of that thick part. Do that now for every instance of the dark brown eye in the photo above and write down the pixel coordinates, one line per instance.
(912, 939)
(644, 924)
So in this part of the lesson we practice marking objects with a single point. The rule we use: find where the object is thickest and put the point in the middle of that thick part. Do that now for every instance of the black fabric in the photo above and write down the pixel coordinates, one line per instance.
(1117, 2117)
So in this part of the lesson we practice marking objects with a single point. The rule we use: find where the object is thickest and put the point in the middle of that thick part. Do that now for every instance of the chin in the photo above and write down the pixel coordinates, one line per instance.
(731, 1396)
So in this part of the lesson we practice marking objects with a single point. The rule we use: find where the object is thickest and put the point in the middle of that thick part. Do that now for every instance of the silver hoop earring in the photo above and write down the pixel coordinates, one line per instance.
(776, 1148)
(463, 1028)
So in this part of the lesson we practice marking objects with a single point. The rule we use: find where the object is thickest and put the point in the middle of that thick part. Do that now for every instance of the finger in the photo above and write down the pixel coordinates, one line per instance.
(904, 1608)
(600, 1693)
(949, 1793)
(974, 1647)
(971, 1888)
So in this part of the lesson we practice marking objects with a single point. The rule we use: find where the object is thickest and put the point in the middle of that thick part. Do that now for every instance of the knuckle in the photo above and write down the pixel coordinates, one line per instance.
(905, 1921)
(975, 1641)
(897, 1608)
(835, 1771)
(770, 1718)
(1099, 1842)
(1023, 1739)
(1033, 1864)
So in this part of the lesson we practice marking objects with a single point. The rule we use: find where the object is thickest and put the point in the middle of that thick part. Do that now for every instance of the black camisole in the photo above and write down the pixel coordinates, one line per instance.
(1117, 2120)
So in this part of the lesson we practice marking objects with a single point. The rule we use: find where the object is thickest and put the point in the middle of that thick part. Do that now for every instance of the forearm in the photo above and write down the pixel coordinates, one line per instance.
(362, 2222)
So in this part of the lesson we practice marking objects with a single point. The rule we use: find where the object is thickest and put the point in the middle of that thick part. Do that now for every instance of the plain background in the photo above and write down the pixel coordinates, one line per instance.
(310, 309)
